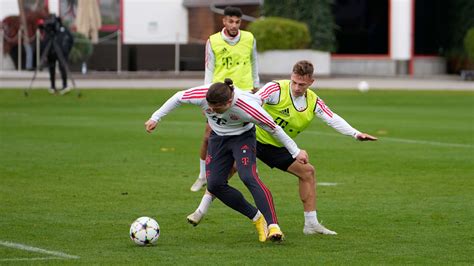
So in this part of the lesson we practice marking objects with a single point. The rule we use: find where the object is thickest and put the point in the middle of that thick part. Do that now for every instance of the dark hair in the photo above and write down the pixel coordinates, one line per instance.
(303, 68)
(233, 11)
(220, 92)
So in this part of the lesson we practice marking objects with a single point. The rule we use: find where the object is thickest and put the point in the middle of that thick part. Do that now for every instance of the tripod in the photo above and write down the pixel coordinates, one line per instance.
(52, 43)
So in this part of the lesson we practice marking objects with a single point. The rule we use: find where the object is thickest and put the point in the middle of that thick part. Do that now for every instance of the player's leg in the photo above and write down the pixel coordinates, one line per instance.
(244, 150)
(307, 188)
(206, 201)
(219, 163)
(201, 180)
(307, 184)
(279, 157)
(196, 217)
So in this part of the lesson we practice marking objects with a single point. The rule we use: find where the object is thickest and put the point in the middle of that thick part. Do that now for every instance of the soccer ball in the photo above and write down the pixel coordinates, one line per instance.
(144, 231)
(363, 86)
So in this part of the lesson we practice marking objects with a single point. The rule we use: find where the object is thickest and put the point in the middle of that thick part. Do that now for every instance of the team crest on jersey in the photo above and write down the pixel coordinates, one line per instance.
(234, 117)
(285, 111)
(244, 148)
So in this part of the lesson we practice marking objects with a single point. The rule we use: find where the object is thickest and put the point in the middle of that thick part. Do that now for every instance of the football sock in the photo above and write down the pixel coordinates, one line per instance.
(255, 218)
(310, 217)
(205, 203)
(202, 168)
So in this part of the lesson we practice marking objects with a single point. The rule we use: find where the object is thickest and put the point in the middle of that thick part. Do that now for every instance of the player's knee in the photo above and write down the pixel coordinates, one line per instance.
(309, 173)
(213, 187)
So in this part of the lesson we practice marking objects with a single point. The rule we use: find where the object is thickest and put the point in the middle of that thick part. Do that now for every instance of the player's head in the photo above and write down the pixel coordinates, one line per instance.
(232, 20)
(219, 96)
(301, 77)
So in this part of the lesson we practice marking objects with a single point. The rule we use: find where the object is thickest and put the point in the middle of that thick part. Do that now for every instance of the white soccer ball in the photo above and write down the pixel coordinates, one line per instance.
(144, 231)
(363, 86)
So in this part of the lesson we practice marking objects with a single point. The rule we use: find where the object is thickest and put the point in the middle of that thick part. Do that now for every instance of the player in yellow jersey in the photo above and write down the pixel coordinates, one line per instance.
(230, 53)
(293, 106)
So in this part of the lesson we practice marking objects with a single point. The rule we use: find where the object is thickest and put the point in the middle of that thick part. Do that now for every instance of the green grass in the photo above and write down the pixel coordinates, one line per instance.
(75, 172)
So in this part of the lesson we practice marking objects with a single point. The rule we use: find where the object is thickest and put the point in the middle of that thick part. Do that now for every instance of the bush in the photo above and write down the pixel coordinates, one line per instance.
(82, 48)
(469, 43)
(274, 33)
(317, 14)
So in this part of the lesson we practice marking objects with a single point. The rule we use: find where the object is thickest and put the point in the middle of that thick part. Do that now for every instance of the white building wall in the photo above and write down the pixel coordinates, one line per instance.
(400, 29)
(53, 6)
(8, 8)
(154, 22)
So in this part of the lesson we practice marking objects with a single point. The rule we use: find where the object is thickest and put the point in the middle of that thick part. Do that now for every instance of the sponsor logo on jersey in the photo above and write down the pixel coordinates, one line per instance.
(285, 111)
(234, 117)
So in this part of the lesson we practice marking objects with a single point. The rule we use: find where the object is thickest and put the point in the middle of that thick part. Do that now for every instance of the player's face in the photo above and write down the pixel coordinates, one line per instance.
(300, 84)
(231, 25)
(220, 108)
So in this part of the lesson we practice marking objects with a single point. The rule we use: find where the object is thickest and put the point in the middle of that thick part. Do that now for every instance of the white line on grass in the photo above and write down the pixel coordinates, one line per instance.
(28, 259)
(37, 250)
(425, 142)
(327, 184)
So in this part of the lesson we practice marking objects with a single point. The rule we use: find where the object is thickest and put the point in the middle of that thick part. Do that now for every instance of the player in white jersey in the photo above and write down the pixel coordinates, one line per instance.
(232, 115)
(293, 107)
(230, 53)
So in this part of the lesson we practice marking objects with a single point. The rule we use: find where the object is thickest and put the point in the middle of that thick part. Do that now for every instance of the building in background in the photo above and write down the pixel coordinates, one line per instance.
(376, 37)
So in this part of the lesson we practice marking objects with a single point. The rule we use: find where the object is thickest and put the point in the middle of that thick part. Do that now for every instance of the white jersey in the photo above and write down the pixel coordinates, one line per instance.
(244, 113)
(270, 93)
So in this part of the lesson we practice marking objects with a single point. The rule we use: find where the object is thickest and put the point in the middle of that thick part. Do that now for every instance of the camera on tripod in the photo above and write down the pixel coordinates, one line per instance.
(51, 25)
(55, 47)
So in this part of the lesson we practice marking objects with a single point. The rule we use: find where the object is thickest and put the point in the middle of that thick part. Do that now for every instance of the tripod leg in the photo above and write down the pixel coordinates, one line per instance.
(43, 59)
(62, 61)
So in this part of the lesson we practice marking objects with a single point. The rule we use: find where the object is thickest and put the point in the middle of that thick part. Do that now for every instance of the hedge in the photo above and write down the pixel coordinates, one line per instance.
(469, 43)
(274, 33)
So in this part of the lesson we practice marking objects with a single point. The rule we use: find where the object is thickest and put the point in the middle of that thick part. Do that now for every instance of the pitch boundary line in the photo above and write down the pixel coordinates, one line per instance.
(32, 259)
(426, 142)
(56, 254)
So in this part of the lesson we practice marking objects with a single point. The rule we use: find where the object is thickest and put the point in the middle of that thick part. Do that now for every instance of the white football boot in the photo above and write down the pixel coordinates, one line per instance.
(195, 217)
(198, 184)
(318, 228)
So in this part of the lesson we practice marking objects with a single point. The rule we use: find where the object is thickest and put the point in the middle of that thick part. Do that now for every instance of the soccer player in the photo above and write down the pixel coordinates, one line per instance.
(230, 53)
(232, 115)
(292, 106)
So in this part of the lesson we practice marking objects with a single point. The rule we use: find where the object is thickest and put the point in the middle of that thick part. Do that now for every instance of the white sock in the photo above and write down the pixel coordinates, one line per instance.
(205, 203)
(310, 217)
(202, 169)
(273, 225)
(255, 218)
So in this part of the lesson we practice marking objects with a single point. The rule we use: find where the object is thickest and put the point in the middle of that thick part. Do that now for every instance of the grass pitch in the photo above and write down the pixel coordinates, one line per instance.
(76, 172)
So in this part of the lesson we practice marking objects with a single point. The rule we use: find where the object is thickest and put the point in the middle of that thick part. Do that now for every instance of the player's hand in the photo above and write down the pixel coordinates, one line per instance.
(150, 125)
(302, 157)
(254, 90)
(365, 137)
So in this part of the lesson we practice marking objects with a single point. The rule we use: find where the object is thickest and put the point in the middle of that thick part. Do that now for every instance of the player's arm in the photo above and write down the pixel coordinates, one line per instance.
(269, 93)
(255, 77)
(338, 123)
(209, 63)
(192, 96)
